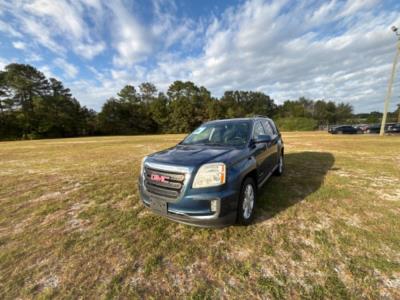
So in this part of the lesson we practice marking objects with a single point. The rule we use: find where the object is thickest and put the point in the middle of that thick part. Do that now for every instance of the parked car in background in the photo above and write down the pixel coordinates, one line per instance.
(343, 129)
(395, 128)
(360, 127)
(376, 128)
(211, 178)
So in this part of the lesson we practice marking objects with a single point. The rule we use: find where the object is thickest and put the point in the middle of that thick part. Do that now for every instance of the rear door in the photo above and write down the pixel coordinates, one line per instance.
(272, 147)
(260, 151)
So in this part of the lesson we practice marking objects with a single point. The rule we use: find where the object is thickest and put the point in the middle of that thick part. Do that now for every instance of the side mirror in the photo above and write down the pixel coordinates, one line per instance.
(262, 138)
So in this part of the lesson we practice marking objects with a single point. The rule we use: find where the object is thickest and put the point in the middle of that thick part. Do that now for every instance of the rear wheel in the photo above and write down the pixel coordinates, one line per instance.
(247, 202)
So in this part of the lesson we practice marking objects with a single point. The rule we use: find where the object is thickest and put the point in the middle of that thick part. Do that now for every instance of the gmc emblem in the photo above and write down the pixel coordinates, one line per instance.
(158, 178)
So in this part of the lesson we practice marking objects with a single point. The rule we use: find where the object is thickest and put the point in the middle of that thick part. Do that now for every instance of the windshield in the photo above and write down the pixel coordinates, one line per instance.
(220, 134)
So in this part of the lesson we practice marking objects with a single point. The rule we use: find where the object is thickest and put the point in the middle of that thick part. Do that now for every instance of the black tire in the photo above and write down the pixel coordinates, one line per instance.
(281, 166)
(243, 218)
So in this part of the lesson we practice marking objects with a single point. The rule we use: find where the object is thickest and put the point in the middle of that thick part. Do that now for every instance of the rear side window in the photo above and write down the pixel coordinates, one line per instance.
(273, 126)
(268, 128)
(258, 129)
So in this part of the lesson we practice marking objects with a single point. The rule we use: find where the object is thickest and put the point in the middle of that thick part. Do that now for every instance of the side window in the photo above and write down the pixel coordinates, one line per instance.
(274, 130)
(268, 128)
(258, 129)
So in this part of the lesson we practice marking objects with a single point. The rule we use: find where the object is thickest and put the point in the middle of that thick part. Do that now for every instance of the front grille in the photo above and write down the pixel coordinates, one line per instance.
(169, 187)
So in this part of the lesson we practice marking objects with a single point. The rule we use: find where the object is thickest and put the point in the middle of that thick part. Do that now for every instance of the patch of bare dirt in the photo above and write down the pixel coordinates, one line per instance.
(144, 213)
(392, 196)
(74, 222)
(240, 254)
(58, 194)
(51, 281)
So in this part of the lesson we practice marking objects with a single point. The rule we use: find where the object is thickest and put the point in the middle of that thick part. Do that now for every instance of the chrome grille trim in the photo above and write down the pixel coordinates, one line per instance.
(174, 188)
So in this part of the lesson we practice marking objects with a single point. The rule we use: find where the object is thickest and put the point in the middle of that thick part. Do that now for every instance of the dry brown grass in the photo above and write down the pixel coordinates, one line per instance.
(71, 225)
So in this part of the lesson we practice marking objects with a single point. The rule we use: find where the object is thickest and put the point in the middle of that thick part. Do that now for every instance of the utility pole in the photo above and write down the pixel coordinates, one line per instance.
(389, 90)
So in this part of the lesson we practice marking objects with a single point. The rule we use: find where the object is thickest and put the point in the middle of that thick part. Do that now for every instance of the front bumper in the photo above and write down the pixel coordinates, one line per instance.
(198, 214)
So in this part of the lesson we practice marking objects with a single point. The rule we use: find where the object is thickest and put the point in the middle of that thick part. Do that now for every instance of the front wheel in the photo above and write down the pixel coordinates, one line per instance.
(247, 202)
(279, 169)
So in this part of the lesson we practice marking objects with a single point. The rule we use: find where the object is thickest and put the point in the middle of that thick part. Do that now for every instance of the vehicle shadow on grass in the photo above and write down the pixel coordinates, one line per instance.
(303, 175)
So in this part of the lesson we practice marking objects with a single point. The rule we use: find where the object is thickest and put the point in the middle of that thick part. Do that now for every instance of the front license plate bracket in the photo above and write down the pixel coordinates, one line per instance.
(159, 206)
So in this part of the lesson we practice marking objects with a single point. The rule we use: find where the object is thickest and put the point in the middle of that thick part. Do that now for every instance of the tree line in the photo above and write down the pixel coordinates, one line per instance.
(33, 106)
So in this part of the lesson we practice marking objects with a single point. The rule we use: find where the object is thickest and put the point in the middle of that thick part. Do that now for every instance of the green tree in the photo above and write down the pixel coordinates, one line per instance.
(9, 124)
(320, 112)
(148, 92)
(374, 117)
(186, 106)
(398, 113)
(128, 94)
(126, 114)
(58, 114)
(331, 112)
(344, 112)
(26, 83)
(159, 112)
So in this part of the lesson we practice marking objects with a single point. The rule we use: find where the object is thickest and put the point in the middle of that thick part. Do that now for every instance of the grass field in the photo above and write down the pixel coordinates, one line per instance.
(71, 225)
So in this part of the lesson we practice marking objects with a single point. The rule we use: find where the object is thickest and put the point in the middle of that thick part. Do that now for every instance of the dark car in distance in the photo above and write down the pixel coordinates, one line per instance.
(343, 129)
(394, 128)
(211, 178)
(376, 128)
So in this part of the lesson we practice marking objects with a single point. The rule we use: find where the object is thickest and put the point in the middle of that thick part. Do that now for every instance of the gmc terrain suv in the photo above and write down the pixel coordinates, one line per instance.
(211, 178)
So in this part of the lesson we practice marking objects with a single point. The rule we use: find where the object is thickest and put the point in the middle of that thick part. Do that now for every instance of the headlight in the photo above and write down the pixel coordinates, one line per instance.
(142, 165)
(213, 174)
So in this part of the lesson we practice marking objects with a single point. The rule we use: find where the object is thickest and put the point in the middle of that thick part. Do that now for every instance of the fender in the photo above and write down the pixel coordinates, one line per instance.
(243, 168)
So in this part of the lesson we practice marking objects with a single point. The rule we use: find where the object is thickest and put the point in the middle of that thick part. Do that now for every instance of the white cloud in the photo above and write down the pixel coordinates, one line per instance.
(47, 71)
(69, 70)
(19, 45)
(41, 34)
(339, 50)
(261, 46)
(89, 51)
(130, 39)
(352, 6)
(59, 14)
(7, 28)
(3, 63)
(33, 57)
(59, 26)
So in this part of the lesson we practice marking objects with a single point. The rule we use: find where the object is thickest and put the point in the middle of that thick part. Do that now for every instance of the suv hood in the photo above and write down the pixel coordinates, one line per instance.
(194, 155)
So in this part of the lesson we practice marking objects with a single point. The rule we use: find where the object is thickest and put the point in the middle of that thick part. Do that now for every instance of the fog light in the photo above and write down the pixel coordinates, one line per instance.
(214, 204)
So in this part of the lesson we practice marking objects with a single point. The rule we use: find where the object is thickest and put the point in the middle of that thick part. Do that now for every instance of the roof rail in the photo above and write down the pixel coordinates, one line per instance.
(259, 116)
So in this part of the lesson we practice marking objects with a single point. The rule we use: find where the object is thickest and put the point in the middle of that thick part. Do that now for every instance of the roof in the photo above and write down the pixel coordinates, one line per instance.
(238, 119)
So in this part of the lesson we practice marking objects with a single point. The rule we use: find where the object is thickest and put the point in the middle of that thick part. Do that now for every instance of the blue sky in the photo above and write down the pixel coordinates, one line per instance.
(335, 50)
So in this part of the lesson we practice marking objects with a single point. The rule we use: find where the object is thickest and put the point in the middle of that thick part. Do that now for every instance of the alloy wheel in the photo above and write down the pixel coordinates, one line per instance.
(248, 202)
